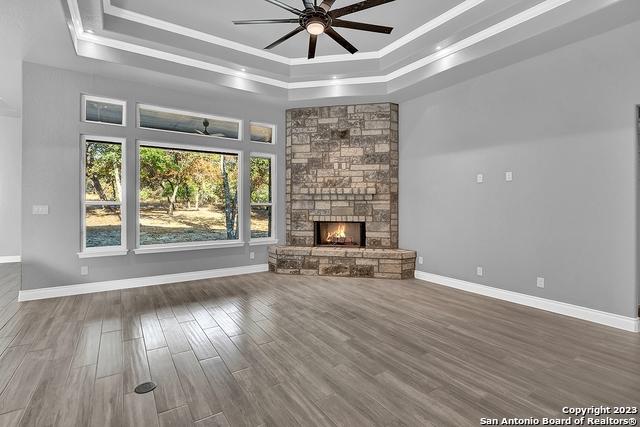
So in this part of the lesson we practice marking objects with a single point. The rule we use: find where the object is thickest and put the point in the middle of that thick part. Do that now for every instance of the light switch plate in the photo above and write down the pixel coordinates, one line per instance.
(540, 282)
(480, 271)
(40, 210)
(480, 178)
(508, 176)
(252, 255)
(420, 260)
(84, 270)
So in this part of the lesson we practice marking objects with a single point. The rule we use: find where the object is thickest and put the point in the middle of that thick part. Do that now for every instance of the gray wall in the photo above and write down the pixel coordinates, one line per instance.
(565, 124)
(9, 186)
(51, 174)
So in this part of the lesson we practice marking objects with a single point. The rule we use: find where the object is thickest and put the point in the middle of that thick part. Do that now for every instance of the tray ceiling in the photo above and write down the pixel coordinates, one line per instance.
(196, 39)
(215, 17)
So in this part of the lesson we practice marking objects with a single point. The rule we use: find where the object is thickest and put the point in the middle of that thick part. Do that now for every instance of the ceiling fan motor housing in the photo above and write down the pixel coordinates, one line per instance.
(315, 16)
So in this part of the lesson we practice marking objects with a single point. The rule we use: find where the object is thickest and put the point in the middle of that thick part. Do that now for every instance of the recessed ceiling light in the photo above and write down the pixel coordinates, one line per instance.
(438, 47)
(243, 69)
(335, 77)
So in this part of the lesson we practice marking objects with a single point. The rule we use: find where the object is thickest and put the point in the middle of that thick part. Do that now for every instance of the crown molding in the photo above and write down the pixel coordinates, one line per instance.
(78, 34)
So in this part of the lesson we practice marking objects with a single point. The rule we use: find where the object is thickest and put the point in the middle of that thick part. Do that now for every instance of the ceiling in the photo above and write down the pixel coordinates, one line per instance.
(194, 43)
(215, 17)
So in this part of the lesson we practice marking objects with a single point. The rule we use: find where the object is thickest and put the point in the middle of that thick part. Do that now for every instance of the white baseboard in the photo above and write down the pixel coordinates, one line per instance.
(8, 259)
(136, 282)
(609, 319)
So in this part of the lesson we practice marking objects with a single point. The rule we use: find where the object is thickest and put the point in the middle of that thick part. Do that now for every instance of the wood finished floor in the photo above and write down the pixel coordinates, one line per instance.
(276, 350)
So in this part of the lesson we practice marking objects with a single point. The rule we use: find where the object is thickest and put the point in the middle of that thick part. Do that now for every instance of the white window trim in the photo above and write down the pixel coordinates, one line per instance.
(121, 102)
(263, 242)
(273, 133)
(274, 197)
(188, 246)
(103, 251)
(192, 113)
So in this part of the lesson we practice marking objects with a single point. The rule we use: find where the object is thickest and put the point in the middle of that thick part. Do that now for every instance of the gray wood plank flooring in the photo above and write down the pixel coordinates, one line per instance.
(271, 350)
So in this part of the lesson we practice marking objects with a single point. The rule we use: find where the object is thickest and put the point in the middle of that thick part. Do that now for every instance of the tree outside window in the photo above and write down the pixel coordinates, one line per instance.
(187, 196)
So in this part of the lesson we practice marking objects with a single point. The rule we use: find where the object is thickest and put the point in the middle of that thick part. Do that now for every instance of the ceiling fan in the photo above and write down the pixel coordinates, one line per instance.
(318, 19)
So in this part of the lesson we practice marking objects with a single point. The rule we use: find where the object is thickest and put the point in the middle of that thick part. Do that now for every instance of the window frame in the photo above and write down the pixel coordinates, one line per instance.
(274, 196)
(122, 249)
(189, 246)
(273, 133)
(83, 106)
(192, 113)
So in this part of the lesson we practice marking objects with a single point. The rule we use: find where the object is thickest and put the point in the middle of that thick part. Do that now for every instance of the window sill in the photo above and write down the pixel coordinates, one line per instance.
(103, 253)
(258, 242)
(196, 247)
(91, 122)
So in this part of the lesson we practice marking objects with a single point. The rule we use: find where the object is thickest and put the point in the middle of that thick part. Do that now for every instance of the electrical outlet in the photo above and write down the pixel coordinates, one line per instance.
(508, 176)
(40, 210)
(420, 260)
(252, 255)
(480, 178)
(84, 270)
(480, 271)
(540, 282)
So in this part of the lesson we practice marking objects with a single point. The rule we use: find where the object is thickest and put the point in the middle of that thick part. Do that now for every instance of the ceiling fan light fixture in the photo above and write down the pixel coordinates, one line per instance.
(317, 19)
(315, 28)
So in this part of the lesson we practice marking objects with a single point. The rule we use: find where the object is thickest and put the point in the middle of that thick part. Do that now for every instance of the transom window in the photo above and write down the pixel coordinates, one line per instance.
(108, 111)
(187, 195)
(103, 194)
(262, 132)
(166, 119)
(261, 174)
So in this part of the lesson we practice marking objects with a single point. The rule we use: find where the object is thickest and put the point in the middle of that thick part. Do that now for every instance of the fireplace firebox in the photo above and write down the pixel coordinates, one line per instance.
(333, 233)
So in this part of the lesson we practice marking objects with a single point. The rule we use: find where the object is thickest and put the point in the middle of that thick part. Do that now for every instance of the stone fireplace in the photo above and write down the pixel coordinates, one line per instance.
(342, 193)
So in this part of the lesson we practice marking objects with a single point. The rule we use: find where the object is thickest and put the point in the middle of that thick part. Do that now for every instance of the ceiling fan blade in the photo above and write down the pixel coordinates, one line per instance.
(340, 40)
(285, 37)
(285, 6)
(360, 26)
(326, 4)
(313, 42)
(357, 7)
(308, 4)
(266, 21)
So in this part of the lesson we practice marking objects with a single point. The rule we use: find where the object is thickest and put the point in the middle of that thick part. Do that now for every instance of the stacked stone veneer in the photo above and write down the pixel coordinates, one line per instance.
(342, 165)
(345, 262)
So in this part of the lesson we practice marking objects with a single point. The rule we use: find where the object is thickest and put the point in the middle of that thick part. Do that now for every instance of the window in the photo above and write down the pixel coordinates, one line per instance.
(104, 110)
(188, 197)
(103, 196)
(261, 132)
(158, 118)
(262, 173)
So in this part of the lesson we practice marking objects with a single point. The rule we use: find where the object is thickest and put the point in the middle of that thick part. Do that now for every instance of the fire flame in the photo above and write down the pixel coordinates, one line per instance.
(339, 233)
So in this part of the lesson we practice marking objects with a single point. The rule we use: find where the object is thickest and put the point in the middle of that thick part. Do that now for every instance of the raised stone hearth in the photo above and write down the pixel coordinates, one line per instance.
(346, 262)
(342, 166)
